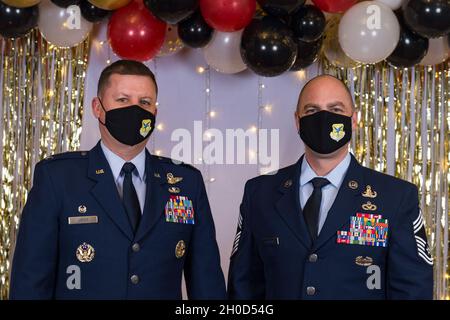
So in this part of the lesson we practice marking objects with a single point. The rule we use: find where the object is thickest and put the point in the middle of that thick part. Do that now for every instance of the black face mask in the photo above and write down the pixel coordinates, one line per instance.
(325, 132)
(129, 125)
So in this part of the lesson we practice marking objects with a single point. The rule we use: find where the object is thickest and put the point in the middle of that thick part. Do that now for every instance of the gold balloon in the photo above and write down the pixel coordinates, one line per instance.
(21, 3)
(110, 4)
(331, 47)
(172, 43)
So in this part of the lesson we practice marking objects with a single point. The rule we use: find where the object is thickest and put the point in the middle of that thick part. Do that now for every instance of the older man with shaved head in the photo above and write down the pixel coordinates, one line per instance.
(327, 227)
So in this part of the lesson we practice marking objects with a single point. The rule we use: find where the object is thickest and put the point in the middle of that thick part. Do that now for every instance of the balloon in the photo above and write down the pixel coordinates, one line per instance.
(280, 8)
(223, 52)
(21, 3)
(307, 54)
(92, 13)
(331, 47)
(172, 43)
(430, 19)
(171, 11)
(308, 23)
(393, 4)
(194, 31)
(110, 4)
(62, 27)
(411, 48)
(438, 52)
(334, 6)
(369, 32)
(134, 33)
(268, 47)
(17, 22)
(65, 3)
(228, 15)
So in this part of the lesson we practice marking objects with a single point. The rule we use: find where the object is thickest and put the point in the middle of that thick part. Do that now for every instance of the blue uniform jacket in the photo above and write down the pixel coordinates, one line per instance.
(275, 258)
(145, 265)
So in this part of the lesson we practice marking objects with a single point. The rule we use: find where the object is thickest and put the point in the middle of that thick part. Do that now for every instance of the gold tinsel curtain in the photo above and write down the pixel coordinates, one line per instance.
(41, 99)
(404, 122)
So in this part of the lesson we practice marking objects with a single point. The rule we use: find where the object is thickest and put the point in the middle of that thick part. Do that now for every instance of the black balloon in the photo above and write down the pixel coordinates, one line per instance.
(280, 8)
(194, 31)
(92, 13)
(268, 47)
(171, 11)
(65, 3)
(307, 54)
(17, 22)
(308, 23)
(429, 18)
(411, 47)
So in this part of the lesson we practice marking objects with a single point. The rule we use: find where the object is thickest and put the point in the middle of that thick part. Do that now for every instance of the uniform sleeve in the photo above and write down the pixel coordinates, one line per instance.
(203, 273)
(35, 258)
(410, 265)
(246, 274)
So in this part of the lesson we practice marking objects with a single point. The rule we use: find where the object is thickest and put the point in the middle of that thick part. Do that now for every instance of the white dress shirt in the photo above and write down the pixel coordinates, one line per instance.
(329, 192)
(116, 163)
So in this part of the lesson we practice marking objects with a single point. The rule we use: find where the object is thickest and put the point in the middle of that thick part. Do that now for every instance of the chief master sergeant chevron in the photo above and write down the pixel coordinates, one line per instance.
(327, 227)
(117, 222)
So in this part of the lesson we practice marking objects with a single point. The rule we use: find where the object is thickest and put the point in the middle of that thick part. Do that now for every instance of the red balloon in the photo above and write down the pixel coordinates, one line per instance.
(334, 6)
(134, 33)
(228, 15)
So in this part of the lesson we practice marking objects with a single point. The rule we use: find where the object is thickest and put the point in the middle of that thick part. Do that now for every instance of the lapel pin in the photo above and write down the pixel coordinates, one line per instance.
(99, 171)
(173, 180)
(85, 252)
(288, 183)
(180, 249)
(157, 175)
(353, 184)
(174, 190)
(82, 208)
(369, 193)
(369, 206)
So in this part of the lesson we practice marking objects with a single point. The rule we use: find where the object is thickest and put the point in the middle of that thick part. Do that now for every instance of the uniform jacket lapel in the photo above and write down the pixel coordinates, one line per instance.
(288, 205)
(105, 190)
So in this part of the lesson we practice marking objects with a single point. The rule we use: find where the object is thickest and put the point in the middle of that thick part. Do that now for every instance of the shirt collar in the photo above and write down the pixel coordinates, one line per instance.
(336, 176)
(116, 163)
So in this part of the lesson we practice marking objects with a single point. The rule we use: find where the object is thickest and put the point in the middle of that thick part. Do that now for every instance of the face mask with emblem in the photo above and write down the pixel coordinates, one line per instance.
(129, 125)
(325, 132)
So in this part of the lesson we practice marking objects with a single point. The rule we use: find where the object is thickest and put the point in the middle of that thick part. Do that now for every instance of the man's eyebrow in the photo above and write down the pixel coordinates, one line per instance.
(310, 105)
(336, 103)
(123, 94)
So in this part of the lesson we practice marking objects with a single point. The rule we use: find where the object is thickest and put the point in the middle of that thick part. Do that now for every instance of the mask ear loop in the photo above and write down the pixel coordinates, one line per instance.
(103, 110)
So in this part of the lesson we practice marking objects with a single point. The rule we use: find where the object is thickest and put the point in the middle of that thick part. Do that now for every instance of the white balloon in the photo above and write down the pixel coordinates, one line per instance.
(63, 27)
(438, 52)
(393, 4)
(369, 32)
(223, 52)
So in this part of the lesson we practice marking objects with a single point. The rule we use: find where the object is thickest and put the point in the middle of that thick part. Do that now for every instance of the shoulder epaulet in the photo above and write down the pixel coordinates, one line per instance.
(67, 155)
(175, 162)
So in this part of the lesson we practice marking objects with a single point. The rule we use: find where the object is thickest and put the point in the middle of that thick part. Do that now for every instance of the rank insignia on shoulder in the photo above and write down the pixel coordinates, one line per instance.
(369, 193)
(85, 252)
(179, 209)
(173, 180)
(367, 230)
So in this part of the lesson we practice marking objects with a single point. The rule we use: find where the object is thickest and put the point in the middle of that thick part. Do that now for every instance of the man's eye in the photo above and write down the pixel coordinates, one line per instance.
(122, 99)
(147, 103)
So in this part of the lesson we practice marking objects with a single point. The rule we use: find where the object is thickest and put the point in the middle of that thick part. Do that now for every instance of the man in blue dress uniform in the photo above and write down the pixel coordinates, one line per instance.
(117, 222)
(327, 227)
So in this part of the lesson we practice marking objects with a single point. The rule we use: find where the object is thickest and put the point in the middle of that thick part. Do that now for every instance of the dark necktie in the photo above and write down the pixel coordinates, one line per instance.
(129, 197)
(312, 207)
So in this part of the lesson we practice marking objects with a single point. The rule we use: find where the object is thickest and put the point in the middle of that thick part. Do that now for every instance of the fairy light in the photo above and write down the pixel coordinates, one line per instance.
(209, 114)
(160, 127)
(201, 70)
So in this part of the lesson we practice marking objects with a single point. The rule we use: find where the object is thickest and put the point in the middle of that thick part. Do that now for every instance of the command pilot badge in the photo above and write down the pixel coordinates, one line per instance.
(85, 252)
(146, 127)
(337, 132)
(180, 249)
(173, 180)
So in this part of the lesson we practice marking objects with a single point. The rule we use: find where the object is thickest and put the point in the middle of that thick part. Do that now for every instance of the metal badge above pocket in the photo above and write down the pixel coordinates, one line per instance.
(179, 209)
(83, 220)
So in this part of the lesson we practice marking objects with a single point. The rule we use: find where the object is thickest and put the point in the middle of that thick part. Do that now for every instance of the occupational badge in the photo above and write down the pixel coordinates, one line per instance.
(173, 180)
(369, 193)
(363, 261)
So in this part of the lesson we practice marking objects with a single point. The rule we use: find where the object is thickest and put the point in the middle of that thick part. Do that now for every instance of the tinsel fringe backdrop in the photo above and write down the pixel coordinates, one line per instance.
(41, 99)
(404, 130)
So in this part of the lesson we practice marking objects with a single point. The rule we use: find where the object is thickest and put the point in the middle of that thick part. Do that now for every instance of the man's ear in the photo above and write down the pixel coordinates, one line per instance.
(96, 107)
(297, 120)
(354, 120)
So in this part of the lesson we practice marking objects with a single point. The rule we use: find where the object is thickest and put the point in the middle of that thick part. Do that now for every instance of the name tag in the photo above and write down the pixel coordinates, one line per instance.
(83, 220)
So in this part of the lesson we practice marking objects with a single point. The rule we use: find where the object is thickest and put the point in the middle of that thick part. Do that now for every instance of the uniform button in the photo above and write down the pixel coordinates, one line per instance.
(310, 291)
(134, 279)
(313, 258)
(136, 247)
